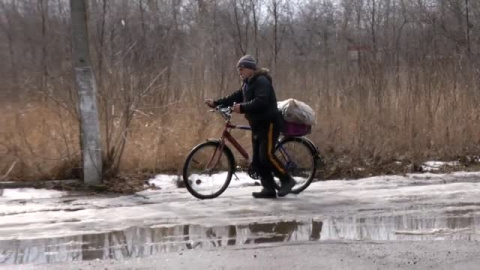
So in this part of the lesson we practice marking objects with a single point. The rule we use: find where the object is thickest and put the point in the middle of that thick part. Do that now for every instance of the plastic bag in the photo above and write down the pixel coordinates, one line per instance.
(296, 111)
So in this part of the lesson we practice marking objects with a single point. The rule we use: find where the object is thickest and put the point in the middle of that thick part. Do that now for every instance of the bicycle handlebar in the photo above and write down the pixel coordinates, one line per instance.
(226, 112)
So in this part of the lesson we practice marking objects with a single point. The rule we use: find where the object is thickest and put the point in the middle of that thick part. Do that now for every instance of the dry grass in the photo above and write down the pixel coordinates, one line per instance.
(40, 141)
(43, 143)
(378, 121)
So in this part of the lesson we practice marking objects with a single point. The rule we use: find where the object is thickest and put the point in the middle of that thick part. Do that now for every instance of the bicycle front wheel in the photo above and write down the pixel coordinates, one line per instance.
(208, 170)
(299, 159)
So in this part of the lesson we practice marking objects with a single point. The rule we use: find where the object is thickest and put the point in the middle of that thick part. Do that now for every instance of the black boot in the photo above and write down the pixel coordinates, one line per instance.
(286, 187)
(265, 194)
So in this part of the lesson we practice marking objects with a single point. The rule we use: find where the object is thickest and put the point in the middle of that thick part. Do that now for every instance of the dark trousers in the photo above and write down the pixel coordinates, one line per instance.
(264, 161)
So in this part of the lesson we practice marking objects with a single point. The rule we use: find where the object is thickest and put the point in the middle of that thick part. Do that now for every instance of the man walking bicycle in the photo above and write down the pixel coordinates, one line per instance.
(256, 99)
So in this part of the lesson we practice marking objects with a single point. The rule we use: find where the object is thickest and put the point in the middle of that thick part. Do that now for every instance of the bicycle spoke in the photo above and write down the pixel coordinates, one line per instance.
(195, 161)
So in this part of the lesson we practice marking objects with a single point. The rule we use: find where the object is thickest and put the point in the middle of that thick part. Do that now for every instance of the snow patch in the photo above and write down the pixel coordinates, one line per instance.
(242, 180)
(166, 182)
(31, 193)
(431, 166)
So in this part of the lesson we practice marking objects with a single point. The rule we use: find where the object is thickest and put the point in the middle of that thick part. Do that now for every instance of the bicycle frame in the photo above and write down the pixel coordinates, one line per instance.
(227, 136)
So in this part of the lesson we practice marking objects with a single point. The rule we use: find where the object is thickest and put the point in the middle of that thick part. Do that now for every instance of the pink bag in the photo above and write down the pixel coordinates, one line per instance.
(296, 130)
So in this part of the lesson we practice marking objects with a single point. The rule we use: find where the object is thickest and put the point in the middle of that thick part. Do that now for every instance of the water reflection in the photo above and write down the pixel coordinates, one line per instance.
(457, 225)
(145, 241)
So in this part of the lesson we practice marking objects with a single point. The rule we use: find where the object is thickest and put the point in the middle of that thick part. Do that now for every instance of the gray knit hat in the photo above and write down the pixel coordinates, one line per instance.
(247, 61)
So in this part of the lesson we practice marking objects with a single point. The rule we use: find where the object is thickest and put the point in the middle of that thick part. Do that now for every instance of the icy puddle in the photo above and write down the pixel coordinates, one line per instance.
(42, 226)
(145, 241)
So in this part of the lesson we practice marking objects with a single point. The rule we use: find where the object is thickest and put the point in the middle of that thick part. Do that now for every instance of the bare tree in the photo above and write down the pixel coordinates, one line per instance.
(8, 27)
(240, 35)
(467, 11)
(43, 8)
(404, 67)
(254, 7)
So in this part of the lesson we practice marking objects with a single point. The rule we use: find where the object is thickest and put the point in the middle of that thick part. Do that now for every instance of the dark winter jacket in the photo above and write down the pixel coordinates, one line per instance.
(257, 99)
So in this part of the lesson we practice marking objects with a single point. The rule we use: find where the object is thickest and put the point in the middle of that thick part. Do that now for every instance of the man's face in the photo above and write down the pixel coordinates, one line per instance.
(245, 72)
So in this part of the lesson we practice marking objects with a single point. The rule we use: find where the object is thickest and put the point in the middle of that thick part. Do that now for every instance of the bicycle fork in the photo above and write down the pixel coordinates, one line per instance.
(212, 163)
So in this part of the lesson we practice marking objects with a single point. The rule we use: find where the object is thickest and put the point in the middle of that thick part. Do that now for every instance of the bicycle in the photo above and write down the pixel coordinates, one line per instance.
(209, 166)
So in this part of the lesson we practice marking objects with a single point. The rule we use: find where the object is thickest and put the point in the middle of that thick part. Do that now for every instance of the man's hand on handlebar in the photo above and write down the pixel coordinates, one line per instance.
(236, 108)
(210, 103)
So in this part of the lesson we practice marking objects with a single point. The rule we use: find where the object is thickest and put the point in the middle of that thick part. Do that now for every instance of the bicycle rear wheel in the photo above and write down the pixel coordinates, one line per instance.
(208, 170)
(299, 159)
